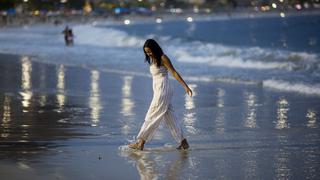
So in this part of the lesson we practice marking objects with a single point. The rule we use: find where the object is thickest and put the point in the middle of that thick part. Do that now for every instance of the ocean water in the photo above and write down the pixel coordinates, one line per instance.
(279, 53)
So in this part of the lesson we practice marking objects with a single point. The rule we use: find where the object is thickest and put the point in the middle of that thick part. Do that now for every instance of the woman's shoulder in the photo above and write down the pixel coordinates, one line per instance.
(164, 56)
(165, 59)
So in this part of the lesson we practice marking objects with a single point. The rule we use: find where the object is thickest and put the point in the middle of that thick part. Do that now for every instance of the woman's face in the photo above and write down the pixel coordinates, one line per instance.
(148, 51)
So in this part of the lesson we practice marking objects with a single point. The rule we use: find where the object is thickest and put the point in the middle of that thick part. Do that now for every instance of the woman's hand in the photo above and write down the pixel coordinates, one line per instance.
(188, 91)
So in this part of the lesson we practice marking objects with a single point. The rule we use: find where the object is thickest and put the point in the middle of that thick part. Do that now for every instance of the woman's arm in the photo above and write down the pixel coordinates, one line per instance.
(167, 63)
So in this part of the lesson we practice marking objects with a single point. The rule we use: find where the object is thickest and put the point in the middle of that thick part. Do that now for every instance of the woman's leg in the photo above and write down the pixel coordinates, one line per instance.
(153, 118)
(157, 110)
(173, 124)
(152, 122)
(175, 128)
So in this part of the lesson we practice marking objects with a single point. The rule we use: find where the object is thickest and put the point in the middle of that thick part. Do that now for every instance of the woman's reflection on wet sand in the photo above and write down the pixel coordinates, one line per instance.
(153, 165)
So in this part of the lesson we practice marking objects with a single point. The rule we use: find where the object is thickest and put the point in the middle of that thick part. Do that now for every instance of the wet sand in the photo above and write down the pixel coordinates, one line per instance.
(64, 122)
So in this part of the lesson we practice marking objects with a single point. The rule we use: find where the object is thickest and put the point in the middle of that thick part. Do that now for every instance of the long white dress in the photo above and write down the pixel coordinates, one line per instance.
(160, 108)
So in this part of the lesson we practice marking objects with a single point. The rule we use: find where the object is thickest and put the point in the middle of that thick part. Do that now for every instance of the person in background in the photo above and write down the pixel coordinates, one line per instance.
(68, 36)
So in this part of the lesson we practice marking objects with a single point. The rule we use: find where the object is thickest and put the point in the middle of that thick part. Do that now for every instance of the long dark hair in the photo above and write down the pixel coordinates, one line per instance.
(155, 49)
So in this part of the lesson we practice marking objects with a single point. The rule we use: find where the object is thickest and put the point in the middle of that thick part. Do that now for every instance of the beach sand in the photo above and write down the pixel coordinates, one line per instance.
(66, 122)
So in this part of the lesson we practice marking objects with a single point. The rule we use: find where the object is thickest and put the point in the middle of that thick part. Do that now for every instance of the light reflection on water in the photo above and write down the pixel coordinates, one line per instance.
(61, 98)
(282, 155)
(6, 117)
(251, 115)
(312, 118)
(43, 100)
(127, 104)
(251, 165)
(29, 112)
(190, 116)
(26, 69)
(94, 99)
(282, 111)
(310, 163)
(281, 165)
(27, 95)
(220, 119)
(26, 73)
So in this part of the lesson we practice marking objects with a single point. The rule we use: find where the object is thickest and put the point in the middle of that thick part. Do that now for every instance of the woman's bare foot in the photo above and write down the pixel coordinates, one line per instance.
(137, 145)
(183, 145)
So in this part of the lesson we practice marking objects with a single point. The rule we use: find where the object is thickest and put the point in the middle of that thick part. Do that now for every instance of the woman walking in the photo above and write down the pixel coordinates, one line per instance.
(160, 108)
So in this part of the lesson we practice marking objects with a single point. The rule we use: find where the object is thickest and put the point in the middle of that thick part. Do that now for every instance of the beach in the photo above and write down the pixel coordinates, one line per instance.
(54, 127)
(70, 112)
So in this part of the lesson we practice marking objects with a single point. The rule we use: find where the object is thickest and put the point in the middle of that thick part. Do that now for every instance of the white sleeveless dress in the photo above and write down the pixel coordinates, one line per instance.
(160, 108)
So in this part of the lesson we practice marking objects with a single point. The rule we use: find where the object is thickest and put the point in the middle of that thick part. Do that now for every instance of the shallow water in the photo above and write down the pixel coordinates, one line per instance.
(69, 122)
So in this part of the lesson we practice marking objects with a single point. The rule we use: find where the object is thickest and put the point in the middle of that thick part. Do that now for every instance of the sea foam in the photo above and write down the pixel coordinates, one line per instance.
(311, 89)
